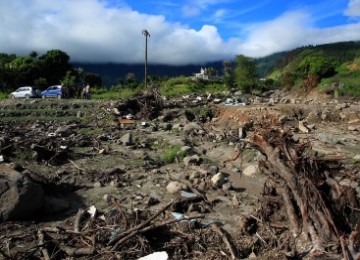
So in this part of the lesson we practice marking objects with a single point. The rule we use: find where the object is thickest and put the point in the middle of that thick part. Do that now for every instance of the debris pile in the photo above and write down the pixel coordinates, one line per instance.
(315, 198)
(122, 234)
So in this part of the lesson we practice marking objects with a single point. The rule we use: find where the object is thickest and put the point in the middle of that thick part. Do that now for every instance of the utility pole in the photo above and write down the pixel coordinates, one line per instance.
(146, 34)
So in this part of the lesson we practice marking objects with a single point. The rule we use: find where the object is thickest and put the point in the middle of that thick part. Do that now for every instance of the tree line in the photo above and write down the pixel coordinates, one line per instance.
(51, 68)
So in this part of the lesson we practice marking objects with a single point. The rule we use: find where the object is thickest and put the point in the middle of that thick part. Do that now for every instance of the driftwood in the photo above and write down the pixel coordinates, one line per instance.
(297, 175)
(138, 227)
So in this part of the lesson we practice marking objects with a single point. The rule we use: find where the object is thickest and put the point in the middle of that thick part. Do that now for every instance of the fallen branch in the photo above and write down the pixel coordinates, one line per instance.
(154, 226)
(77, 220)
(76, 166)
(71, 251)
(140, 226)
(225, 239)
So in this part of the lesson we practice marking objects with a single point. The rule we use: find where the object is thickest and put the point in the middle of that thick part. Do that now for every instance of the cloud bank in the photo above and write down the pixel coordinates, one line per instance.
(91, 31)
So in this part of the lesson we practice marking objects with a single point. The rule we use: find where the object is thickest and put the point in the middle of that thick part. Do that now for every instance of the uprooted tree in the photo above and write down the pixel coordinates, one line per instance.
(318, 193)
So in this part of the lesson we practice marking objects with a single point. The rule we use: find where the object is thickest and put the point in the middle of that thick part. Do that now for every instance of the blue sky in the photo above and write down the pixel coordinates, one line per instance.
(182, 31)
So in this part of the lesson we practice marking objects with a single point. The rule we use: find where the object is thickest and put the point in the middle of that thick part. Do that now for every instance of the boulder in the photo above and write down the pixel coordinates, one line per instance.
(20, 198)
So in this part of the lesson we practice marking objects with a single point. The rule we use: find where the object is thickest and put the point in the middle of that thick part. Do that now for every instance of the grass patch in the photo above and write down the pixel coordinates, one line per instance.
(4, 95)
(114, 93)
(170, 154)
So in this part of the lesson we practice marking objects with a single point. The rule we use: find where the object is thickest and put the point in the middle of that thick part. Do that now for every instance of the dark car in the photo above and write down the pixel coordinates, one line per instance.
(52, 92)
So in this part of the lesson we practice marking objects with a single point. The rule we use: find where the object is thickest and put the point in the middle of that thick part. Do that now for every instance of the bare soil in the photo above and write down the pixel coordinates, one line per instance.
(96, 169)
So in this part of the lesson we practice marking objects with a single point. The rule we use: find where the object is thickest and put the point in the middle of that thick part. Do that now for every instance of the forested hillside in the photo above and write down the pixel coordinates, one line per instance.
(329, 67)
(114, 73)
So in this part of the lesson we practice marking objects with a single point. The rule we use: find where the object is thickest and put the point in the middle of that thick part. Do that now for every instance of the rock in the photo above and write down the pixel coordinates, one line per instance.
(194, 175)
(186, 194)
(156, 256)
(242, 132)
(173, 187)
(126, 139)
(191, 160)
(64, 131)
(192, 127)
(185, 149)
(357, 158)
(311, 127)
(352, 128)
(151, 201)
(177, 126)
(218, 180)
(20, 198)
(250, 170)
(217, 100)
(213, 169)
(328, 138)
(227, 186)
(303, 128)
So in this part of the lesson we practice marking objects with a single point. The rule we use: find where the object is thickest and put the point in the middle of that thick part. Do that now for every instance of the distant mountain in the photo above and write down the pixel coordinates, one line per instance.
(114, 72)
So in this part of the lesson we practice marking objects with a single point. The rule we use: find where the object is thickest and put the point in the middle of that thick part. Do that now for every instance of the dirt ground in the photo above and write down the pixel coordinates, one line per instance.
(97, 166)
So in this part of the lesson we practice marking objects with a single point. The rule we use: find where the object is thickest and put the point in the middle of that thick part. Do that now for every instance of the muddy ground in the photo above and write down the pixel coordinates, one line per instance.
(86, 158)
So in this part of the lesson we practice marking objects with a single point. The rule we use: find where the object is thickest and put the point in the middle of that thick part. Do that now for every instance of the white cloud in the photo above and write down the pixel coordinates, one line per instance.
(190, 11)
(292, 30)
(88, 31)
(353, 8)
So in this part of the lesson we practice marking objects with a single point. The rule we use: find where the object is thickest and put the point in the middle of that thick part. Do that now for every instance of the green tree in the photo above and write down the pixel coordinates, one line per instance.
(246, 77)
(93, 79)
(54, 64)
(319, 66)
(23, 71)
(70, 81)
(211, 71)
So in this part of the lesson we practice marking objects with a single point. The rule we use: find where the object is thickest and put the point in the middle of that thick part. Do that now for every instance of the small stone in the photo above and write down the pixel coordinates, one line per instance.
(126, 139)
(151, 201)
(250, 170)
(352, 128)
(185, 149)
(173, 187)
(226, 186)
(357, 158)
(303, 128)
(218, 180)
(194, 175)
(191, 160)
(106, 198)
(97, 184)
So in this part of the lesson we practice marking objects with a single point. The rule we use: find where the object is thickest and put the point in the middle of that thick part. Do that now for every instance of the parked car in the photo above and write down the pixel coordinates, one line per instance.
(52, 92)
(25, 92)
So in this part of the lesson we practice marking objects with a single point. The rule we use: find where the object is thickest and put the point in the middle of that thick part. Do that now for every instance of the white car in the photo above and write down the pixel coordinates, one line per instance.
(26, 92)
